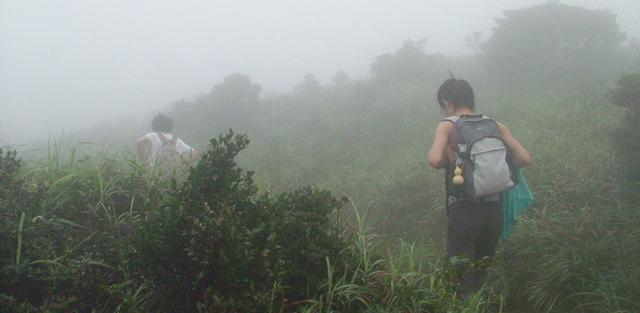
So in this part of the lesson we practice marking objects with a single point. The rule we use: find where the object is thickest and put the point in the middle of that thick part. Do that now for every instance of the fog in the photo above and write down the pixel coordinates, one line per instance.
(69, 64)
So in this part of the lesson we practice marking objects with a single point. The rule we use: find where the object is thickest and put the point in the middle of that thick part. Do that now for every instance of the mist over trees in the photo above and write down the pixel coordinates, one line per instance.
(309, 85)
(554, 48)
(320, 133)
(370, 235)
(626, 94)
(353, 126)
(550, 47)
(554, 45)
(340, 78)
(409, 64)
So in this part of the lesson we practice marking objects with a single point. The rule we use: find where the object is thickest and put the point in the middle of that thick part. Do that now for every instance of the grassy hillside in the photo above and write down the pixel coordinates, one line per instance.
(87, 228)
(76, 228)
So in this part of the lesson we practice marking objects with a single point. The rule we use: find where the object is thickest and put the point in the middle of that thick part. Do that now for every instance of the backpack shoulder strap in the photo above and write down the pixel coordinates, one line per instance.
(473, 116)
(165, 141)
(163, 138)
(453, 119)
(174, 139)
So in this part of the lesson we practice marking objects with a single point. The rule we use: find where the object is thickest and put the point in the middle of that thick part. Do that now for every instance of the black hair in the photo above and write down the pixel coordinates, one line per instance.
(458, 92)
(161, 123)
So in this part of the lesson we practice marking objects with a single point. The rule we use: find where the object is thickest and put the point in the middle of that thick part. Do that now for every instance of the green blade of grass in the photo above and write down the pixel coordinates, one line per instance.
(19, 247)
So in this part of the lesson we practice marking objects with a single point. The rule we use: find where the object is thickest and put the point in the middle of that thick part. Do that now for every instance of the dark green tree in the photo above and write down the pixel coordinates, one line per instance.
(626, 94)
(309, 84)
(474, 41)
(552, 45)
(227, 105)
(237, 88)
(220, 246)
(340, 78)
(409, 64)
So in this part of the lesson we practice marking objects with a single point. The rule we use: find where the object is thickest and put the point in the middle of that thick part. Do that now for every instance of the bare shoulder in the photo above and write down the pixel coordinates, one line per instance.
(143, 138)
(503, 127)
(445, 126)
(446, 129)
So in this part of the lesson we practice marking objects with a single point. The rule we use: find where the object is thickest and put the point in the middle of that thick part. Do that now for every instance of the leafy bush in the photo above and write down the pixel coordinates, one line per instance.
(221, 247)
(626, 94)
(63, 228)
(106, 235)
(103, 234)
(554, 46)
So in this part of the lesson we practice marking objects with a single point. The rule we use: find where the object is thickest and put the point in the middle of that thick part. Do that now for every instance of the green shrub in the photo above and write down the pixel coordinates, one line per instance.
(218, 246)
(64, 225)
(626, 94)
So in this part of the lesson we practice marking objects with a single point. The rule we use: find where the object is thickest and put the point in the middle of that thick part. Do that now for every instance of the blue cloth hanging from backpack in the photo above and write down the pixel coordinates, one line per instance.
(515, 200)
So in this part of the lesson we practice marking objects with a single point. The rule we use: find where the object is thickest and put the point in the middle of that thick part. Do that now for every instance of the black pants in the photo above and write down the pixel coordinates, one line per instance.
(473, 232)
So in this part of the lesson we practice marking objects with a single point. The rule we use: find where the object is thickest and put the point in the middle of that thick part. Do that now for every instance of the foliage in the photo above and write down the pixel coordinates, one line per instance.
(102, 233)
(67, 231)
(221, 247)
(626, 94)
(9, 181)
(237, 89)
(340, 78)
(409, 63)
(309, 85)
(229, 104)
(404, 278)
(553, 45)
(574, 261)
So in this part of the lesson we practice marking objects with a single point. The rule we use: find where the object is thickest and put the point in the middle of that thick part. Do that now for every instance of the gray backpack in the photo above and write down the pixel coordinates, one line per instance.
(482, 155)
(169, 161)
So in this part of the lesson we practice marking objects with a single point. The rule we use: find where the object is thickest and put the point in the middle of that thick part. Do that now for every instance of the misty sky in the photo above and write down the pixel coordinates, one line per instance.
(72, 63)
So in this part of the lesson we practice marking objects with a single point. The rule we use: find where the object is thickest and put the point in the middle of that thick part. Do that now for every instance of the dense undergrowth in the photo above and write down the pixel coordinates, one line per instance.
(103, 234)
(97, 232)
(106, 235)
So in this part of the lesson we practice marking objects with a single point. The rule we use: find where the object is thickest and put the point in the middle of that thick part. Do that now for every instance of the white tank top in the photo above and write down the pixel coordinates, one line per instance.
(156, 145)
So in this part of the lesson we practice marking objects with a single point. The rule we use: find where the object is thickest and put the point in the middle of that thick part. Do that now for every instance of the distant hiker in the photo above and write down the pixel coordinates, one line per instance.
(479, 156)
(162, 150)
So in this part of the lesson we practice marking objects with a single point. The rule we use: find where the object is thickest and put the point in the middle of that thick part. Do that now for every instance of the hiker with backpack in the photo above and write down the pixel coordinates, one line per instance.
(162, 150)
(480, 156)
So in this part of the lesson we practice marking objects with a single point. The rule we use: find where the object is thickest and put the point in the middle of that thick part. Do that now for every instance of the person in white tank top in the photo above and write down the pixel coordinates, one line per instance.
(150, 144)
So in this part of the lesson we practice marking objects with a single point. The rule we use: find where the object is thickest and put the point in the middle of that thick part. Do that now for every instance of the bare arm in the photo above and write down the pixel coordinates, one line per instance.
(188, 153)
(142, 145)
(521, 156)
(440, 154)
(194, 156)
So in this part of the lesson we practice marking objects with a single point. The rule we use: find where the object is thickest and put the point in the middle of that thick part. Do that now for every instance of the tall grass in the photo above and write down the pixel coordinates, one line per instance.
(407, 277)
(575, 250)
(69, 213)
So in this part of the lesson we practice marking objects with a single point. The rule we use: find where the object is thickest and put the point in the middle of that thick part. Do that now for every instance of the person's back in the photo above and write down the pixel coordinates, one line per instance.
(162, 150)
(474, 222)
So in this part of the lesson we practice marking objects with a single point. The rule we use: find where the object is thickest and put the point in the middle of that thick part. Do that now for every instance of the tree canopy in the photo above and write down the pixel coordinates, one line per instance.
(409, 63)
(545, 44)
